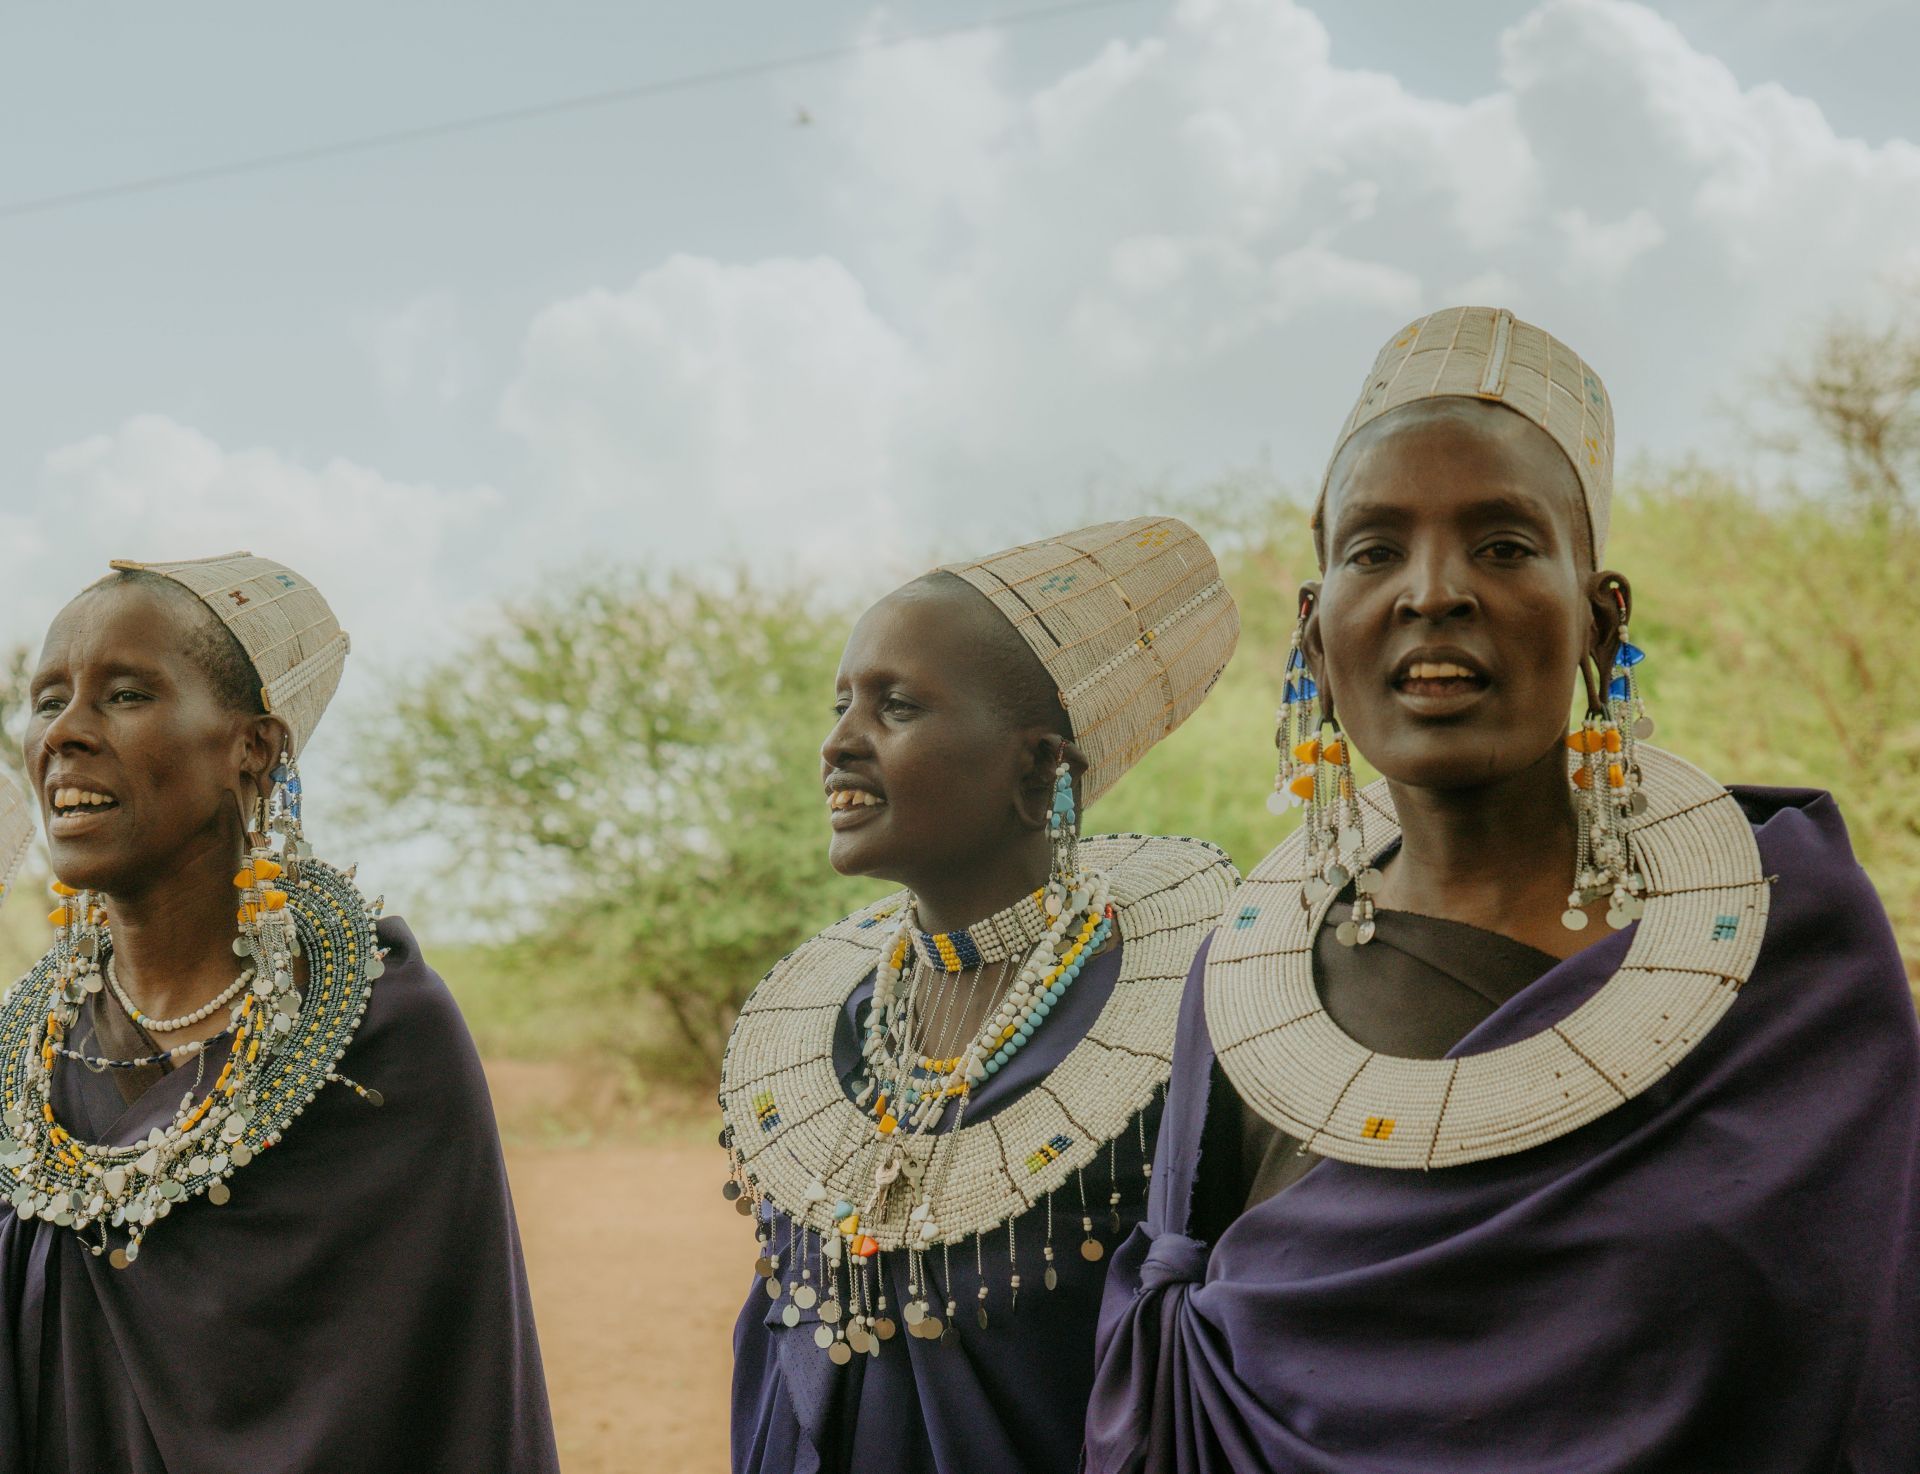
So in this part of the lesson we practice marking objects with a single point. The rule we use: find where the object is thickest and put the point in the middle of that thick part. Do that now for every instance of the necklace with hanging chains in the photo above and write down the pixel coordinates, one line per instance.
(287, 1034)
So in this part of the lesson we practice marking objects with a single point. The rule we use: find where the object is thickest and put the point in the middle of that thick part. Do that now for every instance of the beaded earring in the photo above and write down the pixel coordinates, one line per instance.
(1607, 796)
(1315, 769)
(1063, 836)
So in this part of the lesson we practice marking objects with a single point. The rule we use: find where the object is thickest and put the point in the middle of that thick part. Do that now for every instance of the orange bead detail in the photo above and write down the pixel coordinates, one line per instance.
(865, 1247)
(275, 900)
(1301, 787)
(1614, 743)
(887, 1125)
(1616, 775)
(1582, 778)
(1586, 740)
(61, 888)
(1308, 751)
(1335, 753)
(60, 916)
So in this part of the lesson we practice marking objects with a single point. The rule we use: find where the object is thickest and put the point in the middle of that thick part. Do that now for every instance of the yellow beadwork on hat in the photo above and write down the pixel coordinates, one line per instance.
(283, 623)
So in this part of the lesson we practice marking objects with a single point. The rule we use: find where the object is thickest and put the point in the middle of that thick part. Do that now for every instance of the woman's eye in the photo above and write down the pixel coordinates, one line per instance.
(1507, 549)
(840, 708)
(47, 705)
(1372, 556)
(126, 697)
(897, 704)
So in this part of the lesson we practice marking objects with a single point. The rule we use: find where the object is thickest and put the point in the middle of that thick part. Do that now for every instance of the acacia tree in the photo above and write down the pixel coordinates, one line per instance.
(628, 775)
(1852, 401)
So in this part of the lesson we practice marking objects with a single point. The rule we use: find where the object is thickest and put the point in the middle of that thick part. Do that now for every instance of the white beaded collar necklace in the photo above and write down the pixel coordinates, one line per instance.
(1706, 911)
(789, 1118)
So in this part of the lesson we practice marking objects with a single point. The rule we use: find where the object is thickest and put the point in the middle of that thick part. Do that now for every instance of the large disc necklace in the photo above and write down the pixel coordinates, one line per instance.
(1705, 914)
(286, 1040)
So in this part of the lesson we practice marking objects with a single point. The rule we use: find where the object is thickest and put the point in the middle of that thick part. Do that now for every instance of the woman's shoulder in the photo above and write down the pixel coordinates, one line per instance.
(410, 998)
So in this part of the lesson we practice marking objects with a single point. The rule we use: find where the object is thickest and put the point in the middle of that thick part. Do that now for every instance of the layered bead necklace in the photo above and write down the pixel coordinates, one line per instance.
(287, 1033)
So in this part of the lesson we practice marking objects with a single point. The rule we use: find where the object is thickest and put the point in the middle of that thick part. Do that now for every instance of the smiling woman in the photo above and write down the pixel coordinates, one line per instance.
(1490, 1188)
(250, 1178)
(927, 1099)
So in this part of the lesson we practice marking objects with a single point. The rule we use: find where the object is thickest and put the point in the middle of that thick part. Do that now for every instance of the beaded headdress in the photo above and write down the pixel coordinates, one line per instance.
(16, 830)
(287, 629)
(1488, 353)
(1132, 621)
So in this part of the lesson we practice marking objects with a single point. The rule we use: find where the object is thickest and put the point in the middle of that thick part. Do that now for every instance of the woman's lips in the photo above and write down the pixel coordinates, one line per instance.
(1440, 696)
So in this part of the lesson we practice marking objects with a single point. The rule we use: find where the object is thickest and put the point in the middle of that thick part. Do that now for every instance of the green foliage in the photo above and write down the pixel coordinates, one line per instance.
(637, 771)
(630, 773)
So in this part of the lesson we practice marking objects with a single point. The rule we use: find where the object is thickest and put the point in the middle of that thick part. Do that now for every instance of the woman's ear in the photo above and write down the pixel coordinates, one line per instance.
(1045, 751)
(1610, 597)
(1311, 644)
(261, 744)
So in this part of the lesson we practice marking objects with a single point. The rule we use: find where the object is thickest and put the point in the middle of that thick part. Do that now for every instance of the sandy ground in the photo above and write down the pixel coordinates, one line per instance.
(635, 1295)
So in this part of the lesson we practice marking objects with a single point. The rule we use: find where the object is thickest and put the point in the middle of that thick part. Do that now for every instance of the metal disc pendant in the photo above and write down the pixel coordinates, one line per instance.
(804, 1296)
(241, 1154)
(1093, 1251)
(949, 1337)
(884, 1328)
(1315, 891)
(980, 1317)
(1637, 805)
(118, 1259)
(931, 1328)
(1643, 729)
(763, 1267)
(1574, 919)
(830, 1311)
(730, 1190)
(1113, 1222)
(839, 1353)
(1052, 1278)
(1346, 934)
(915, 1312)
(823, 1336)
(858, 1339)
(219, 1194)
(743, 1206)
(1363, 933)
(773, 1287)
(791, 1315)
(1367, 881)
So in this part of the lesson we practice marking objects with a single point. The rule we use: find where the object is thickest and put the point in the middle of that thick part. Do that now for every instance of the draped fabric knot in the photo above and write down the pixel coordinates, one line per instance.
(1173, 1258)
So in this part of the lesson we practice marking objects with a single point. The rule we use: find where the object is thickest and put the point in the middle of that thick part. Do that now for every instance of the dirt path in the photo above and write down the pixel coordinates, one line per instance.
(635, 1301)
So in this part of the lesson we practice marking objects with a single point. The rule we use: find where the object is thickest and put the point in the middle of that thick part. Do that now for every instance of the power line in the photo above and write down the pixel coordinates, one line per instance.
(401, 137)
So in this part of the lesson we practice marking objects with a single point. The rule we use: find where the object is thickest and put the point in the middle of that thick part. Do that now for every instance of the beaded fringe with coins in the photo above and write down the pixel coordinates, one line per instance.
(863, 1176)
(1316, 770)
(1605, 771)
(285, 1043)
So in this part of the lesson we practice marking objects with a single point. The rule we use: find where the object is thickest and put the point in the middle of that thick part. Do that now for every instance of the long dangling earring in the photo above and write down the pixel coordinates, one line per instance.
(1063, 838)
(1607, 796)
(1316, 769)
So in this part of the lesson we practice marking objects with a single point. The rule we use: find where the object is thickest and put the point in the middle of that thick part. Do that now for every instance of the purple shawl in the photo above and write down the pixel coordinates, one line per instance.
(359, 1306)
(1719, 1275)
(1008, 1398)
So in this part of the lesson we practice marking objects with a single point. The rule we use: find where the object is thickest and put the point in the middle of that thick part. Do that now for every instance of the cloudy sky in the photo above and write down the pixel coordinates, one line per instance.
(1002, 274)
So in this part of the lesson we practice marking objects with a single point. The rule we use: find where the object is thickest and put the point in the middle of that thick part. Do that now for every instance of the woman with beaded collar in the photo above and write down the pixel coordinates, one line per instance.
(1492, 1187)
(246, 1222)
(929, 1098)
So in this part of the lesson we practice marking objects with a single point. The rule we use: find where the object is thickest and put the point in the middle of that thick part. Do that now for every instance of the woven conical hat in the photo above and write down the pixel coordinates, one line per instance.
(16, 830)
(1488, 353)
(287, 629)
(1130, 619)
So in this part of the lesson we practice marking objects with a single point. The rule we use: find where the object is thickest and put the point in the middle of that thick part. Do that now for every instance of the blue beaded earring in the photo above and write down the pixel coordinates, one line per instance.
(1607, 793)
(1316, 769)
(1063, 836)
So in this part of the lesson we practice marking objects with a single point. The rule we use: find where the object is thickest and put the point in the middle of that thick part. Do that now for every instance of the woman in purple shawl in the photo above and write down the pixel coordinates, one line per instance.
(253, 1221)
(1454, 1180)
(928, 1099)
